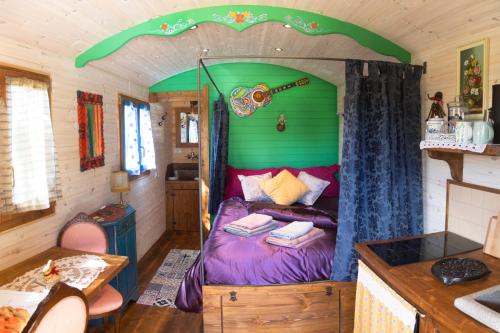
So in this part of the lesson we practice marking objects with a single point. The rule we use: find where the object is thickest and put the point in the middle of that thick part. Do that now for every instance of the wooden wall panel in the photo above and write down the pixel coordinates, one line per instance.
(70, 27)
(441, 76)
(89, 190)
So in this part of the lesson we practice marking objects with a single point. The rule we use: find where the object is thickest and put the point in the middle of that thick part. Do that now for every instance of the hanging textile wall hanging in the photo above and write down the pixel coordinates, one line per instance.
(90, 128)
(218, 154)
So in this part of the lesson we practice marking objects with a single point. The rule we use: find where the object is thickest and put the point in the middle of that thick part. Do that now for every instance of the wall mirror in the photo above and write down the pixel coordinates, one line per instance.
(186, 126)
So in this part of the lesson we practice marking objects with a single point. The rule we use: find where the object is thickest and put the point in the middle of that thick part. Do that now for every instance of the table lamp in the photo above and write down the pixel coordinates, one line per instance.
(120, 183)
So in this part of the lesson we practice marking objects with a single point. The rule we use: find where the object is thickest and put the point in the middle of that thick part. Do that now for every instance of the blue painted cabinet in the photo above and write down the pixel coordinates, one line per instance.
(121, 230)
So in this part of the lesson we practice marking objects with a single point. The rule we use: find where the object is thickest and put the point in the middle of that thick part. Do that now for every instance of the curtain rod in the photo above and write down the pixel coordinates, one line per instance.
(201, 58)
(424, 64)
(269, 57)
(210, 76)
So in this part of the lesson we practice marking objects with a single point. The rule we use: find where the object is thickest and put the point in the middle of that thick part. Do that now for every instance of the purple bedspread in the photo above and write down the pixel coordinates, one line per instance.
(234, 260)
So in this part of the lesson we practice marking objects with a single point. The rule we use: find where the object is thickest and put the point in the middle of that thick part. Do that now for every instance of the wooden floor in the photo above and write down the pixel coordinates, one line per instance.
(152, 319)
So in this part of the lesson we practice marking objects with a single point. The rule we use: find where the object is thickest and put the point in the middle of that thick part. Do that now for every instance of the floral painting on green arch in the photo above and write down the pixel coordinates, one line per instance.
(473, 75)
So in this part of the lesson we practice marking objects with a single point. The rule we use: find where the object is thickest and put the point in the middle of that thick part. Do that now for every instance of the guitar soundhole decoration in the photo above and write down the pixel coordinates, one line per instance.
(258, 96)
(245, 101)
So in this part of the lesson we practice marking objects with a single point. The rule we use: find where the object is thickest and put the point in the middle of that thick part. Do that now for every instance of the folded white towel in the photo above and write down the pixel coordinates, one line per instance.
(253, 221)
(292, 230)
(239, 231)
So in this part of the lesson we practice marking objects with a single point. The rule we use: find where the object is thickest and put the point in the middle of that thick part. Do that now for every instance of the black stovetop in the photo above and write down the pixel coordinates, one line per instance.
(428, 247)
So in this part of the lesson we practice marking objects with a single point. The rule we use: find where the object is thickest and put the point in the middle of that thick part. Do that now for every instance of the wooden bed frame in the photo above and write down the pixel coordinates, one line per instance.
(325, 306)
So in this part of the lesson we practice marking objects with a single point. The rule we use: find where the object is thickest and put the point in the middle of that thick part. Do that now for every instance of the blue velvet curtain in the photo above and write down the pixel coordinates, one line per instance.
(218, 154)
(381, 173)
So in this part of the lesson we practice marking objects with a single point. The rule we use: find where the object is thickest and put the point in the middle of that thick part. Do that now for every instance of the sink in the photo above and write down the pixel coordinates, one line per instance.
(182, 171)
(186, 174)
(484, 306)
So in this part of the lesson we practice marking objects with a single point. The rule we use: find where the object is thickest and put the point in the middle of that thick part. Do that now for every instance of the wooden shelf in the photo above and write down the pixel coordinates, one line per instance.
(455, 158)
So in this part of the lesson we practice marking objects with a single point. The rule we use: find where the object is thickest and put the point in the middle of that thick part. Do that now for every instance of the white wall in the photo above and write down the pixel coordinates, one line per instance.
(441, 76)
(470, 211)
(85, 191)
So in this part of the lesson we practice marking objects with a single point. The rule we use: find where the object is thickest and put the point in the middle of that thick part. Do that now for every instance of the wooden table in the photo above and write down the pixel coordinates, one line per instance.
(115, 265)
(416, 284)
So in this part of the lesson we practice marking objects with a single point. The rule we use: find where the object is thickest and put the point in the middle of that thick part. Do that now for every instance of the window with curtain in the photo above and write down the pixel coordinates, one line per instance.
(29, 183)
(138, 152)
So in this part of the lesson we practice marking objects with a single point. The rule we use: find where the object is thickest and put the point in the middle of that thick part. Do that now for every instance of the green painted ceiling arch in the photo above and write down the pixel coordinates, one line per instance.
(241, 17)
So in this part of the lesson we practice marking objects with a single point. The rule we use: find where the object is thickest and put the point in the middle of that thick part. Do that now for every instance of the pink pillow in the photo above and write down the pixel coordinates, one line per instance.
(323, 172)
(233, 184)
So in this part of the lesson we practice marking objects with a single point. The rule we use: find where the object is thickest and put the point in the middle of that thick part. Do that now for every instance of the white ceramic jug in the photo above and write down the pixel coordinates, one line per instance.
(483, 132)
(463, 132)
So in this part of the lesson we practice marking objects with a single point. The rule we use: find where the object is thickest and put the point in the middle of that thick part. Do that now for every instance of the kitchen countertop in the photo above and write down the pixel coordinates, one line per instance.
(416, 284)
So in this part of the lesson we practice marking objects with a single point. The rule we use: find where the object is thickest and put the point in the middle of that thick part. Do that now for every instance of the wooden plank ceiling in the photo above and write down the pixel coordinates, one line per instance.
(71, 26)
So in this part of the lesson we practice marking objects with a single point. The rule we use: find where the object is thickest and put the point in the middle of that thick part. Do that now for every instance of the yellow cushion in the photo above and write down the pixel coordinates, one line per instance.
(284, 188)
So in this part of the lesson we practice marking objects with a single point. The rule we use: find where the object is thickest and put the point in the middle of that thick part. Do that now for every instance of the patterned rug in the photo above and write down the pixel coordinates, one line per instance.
(162, 289)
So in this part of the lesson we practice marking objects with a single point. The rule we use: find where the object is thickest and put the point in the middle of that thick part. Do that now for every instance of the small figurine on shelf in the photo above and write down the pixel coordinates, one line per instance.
(51, 273)
(437, 106)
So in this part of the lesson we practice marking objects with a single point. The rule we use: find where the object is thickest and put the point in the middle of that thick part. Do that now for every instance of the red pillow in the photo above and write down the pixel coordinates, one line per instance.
(233, 184)
(324, 172)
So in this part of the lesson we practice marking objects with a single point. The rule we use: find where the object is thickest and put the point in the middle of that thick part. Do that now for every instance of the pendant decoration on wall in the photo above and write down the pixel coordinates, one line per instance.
(245, 101)
(90, 129)
(281, 125)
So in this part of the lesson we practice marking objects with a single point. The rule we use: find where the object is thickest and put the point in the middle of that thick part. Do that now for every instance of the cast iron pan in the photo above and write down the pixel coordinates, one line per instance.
(458, 270)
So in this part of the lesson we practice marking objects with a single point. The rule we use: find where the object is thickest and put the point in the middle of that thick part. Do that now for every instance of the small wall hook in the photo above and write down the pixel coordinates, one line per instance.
(163, 119)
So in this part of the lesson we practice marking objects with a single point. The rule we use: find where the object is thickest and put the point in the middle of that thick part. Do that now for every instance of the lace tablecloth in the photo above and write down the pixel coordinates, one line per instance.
(77, 271)
(476, 148)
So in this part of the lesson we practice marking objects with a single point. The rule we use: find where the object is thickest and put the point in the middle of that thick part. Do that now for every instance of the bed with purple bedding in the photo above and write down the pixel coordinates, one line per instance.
(233, 260)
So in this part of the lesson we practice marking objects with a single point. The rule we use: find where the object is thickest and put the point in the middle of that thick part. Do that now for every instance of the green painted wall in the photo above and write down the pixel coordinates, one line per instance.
(312, 128)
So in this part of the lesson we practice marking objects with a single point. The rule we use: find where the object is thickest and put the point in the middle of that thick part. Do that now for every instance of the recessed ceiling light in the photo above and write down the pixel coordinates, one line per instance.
(288, 26)
(278, 49)
(193, 27)
(205, 50)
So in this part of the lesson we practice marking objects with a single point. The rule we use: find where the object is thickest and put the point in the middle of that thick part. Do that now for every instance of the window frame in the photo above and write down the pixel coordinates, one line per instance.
(13, 220)
(139, 102)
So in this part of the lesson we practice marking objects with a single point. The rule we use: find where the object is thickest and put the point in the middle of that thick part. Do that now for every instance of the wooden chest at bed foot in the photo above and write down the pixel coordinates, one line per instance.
(325, 306)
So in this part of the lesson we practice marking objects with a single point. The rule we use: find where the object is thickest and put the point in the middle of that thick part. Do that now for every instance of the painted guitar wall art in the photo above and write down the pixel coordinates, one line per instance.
(245, 101)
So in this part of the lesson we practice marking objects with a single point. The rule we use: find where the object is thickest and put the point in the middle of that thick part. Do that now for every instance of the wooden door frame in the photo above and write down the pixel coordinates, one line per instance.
(204, 142)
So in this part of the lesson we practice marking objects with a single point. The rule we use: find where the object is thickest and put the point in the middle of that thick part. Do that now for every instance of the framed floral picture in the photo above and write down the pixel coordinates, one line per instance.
(472, 75)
